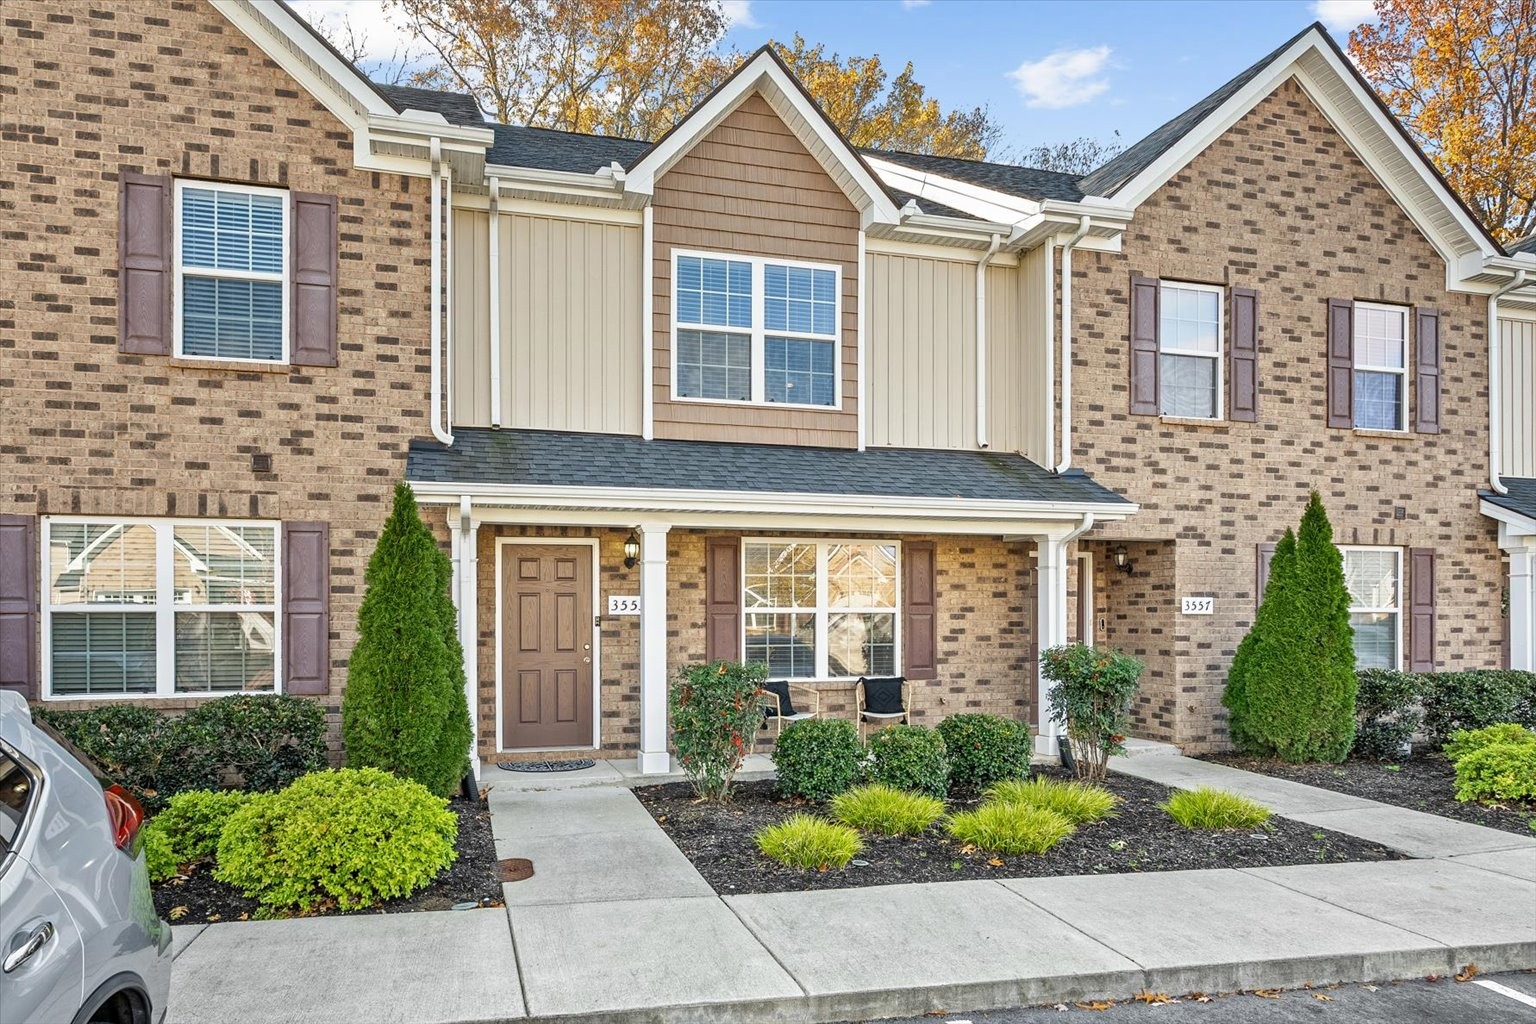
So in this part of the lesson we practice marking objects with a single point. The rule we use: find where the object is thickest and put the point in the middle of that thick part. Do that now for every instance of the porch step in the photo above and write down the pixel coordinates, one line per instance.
(614, 772)
(1137, 747)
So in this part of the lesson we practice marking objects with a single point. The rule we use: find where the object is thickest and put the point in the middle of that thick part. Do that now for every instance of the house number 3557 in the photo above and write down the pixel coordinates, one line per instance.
(1199, 606)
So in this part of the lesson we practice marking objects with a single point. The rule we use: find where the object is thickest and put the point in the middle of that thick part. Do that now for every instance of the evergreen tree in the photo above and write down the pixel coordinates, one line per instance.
(404, 708)
(1258, 654)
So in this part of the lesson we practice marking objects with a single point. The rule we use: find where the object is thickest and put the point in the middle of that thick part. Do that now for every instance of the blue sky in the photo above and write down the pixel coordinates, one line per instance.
(1048, 71)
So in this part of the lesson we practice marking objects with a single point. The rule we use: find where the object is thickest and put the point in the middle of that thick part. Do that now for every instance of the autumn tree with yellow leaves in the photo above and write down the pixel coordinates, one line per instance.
(1461, 76)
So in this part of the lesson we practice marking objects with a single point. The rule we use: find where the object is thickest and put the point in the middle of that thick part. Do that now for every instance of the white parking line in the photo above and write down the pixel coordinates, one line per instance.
(1504, 990)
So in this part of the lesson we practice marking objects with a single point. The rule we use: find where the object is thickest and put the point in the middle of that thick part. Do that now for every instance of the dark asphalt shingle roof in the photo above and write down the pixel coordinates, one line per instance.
(459, 108)
(1526, 244)
(1027, 182)
(928, 206)
(558, 458)
(552, 150)
(1520, 499)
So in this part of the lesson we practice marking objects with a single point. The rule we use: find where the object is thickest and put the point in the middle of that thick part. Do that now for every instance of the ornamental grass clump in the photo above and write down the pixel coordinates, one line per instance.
(1215, 809)
(1010, 828)
(809, 843)
(714, 710)
(890, 811)
(1078, 802)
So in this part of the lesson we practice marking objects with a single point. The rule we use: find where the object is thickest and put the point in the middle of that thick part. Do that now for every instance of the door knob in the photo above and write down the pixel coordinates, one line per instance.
(21, 954)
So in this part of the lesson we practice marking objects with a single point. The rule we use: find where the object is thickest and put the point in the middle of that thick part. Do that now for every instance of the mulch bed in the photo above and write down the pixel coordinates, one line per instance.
(472, 878)
(719, 841)
(1426, 782)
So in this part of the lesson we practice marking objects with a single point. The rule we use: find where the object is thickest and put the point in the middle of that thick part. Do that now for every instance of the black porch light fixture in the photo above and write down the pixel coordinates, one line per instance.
(631, 550)
(1122, 559)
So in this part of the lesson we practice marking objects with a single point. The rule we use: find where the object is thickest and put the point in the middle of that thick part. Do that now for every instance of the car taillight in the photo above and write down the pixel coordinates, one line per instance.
(126, 814)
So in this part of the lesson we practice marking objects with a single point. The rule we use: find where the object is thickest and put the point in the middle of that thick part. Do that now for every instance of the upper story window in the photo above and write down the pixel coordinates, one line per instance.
(1381, 367)
(231, 272)
(1373, 577)
(821, 609)
(1189, 350)
(747, 329)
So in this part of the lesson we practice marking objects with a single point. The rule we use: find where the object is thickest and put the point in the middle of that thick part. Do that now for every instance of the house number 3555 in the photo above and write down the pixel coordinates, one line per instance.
(623, 605)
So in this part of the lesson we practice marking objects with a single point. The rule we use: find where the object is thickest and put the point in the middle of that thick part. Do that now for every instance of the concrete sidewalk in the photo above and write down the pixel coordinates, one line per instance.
(617, 926)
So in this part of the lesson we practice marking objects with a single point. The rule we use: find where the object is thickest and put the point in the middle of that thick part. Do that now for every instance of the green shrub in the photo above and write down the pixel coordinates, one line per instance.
(1078, 802)
(1476, 699)
(1010, 828)
(909, 757)
(1090, 698)
(354, 836)
(807, 842)
(267, 739)
(188, 830)
(1386, 712)
(714, 709)
(151, 754)
(404, 709)
(1503, 771)
(1214, 809)
(1464, 741)
(1291, 688)
(893, 812)
(984, 749)
(818, 758)
(159, 857)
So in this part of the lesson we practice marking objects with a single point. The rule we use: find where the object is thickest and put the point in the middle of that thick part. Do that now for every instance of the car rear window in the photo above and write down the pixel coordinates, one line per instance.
(16, 788)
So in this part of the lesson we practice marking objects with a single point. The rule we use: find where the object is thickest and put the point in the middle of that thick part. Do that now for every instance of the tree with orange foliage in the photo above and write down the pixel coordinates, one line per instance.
(1461, 76)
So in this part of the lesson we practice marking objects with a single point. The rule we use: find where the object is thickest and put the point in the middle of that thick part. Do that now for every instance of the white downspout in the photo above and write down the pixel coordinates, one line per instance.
(1495, 448)
(981, 339)
(647, 329)
(495, 295)
(1049, 397)
(448, 298)
(1066, 345)
(435, 326)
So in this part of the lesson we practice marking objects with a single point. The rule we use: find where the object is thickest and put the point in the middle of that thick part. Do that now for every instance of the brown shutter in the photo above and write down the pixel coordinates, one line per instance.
(1427, 323)
(722, 599)
(144, 257)
(919, 614)
(1421, 609)
(306, 608)
(1341, 363)
(18, 604)
(1144, 322)
(1265, 553)
(1243, 351)
(314, 273)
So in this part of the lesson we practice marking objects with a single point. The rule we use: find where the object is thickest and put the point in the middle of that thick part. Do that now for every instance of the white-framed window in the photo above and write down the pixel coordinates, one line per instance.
(749, 329)
(231, 291)
(1189, 350)
(822, 609)
(1381, 367)
(1374, 577)
(159, 607)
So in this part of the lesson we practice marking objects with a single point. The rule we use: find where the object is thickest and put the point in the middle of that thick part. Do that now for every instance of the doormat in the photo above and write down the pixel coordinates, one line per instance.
(547, 766)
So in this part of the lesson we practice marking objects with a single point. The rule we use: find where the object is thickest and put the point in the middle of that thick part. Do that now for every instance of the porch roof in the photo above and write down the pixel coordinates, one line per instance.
(1520, 500)
(545, 458)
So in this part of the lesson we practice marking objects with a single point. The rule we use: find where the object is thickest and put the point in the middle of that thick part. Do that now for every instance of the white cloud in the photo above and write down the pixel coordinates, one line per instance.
(1343, 15)
(738, 14)
(1066, 78)
(379, 36)
(909, 4)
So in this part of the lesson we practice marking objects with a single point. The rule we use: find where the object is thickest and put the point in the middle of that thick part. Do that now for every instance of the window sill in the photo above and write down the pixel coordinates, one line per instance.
(730, 403)
(1391, 435)
(1193, 421)
(233, 365)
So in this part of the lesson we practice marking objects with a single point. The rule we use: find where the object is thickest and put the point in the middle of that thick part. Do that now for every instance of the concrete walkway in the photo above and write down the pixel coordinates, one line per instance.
(617, 926)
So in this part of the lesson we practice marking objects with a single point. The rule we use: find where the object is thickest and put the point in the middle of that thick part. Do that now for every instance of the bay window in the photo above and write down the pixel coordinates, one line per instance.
(821, 609)
(1373, 577)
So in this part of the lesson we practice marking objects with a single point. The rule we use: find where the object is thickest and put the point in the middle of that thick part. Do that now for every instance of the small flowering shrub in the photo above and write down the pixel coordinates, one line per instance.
(1091, 698)
(715, 708)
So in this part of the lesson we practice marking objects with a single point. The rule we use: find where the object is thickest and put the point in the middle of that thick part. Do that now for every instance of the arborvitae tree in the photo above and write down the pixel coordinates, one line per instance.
(404, 708)
(1257, 654)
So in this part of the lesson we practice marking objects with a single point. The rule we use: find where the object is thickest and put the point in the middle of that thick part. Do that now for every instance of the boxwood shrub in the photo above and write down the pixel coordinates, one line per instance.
(984, 749)
(1387, 712)
(1502, 771)
(266, 740)
(818, 758)
(1476, 699)
(908, 757)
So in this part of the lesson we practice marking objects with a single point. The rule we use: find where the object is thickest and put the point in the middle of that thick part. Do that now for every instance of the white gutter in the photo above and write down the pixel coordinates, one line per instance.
(495, 296)
(1495, 447)
(449, 300)
(435, 327)
(859, 339)
(981, 339)
(648, 329)
(1066, 343)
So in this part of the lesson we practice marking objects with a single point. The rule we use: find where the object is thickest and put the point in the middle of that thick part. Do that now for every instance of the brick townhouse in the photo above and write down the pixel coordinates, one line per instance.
(743, 392)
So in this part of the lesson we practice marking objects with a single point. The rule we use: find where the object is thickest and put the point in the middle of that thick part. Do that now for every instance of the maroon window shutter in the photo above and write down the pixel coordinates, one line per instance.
(1341, 363)
(314, 273)
(144, 257)
(1427, 324)
(18, 604)
(1243, 356)
(1144, 321)
(1264, 554)
(722, 599)
(919, 614)
(306, 608)
(1421, 609)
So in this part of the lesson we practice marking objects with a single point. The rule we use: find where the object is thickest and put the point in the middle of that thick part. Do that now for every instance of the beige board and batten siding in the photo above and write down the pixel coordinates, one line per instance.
(1517, 404)
(570, 314)
(750, 187)
(922, 353)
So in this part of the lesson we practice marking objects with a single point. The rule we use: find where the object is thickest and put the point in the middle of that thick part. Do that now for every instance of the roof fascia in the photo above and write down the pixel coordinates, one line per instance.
(1508, 519)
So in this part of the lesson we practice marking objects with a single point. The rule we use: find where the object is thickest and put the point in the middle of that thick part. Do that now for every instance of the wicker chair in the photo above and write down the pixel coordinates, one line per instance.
(779, 696)
(883, 701)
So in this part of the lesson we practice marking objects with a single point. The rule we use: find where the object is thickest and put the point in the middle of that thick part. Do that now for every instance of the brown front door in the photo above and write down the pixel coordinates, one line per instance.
(546, 647)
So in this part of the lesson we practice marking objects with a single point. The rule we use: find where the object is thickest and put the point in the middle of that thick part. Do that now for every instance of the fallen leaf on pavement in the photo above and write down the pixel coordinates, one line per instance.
(1468, 973)
(1433, 978)
(1267, 993)
(1322, 998)
(1152, 998)
(1097, 1004)
(1196, 997)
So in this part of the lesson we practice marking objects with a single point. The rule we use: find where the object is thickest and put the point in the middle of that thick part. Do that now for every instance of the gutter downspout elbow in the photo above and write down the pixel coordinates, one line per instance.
(435, 327)
(1495, 446)
(981, 339)
(1066, 343)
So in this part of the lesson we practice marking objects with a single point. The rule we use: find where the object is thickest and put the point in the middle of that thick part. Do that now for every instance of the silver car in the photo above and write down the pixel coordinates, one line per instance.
(79, 939)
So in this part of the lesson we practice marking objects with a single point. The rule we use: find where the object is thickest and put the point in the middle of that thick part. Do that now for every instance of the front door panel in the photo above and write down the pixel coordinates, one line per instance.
(546, 655)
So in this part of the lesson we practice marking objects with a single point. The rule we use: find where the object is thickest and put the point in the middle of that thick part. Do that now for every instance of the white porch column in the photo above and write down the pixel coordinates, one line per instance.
(464, 533)
(654, 758)
(1050, 628)
(1522, 601)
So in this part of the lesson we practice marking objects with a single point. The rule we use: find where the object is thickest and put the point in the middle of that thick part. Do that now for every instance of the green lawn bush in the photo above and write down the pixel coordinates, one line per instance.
(188, 830)
(909, 757)
(1090, 697)
(984, 749)
(1464, 741)
(357, 836)
(1498, 772)
(884, 809)
(265, 740)
(1010, 828)
(818, 758)
(1386, 712)
(1078, 802)
(807, 842)
(1215, 809)
(1476, 699)
(159, 857)
(714, 709)
(149, 753)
